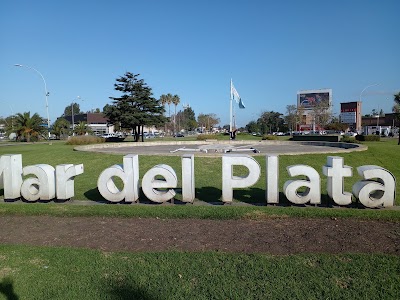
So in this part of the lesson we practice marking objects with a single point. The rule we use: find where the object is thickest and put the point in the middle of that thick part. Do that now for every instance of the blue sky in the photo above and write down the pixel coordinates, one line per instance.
(271, 50)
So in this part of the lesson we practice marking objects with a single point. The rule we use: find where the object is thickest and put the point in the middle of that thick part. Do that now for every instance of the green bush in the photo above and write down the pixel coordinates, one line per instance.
(349, 139)
(269, 137)
(84, 140)
(368, 138)
(203, 137)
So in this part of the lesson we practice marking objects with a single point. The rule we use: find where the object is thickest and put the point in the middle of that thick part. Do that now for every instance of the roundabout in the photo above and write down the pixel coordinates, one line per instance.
(219, 148)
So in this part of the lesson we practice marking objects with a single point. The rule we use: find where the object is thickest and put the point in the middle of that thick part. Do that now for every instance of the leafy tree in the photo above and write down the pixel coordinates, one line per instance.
(136, 107)
(270, 121)
(188, 119)
(68, 109)
(321, 113)
(27, 126)
(252, 127)
(60, 127)
(207, 120)
(292, 117)
(226, 127)
(336, 126)
(396, 109)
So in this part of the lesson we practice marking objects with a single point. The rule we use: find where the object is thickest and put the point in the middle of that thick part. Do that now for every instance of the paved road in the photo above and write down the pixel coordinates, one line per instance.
(213, 149)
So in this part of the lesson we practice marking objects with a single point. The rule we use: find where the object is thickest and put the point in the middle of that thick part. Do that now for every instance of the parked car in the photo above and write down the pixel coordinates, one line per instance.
(108, 135)
(350, 133)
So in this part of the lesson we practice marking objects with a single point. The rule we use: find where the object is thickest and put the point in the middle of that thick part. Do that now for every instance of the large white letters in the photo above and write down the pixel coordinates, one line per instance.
(188, 188)
(313, 185)
(272, 179)
(11, 175)
(47, 183)
(378, 189)
(65, 175)
(229, 181)
(335, 171)
(151, 185)
(42, 187)
(129, 174)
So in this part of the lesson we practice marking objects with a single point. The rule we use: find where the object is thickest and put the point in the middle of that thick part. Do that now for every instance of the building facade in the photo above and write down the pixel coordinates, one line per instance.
(350, 114)
(97, 122)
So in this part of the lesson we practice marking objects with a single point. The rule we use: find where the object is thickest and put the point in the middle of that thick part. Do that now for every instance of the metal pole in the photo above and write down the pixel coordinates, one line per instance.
(46, 95)
(73, 123)
(368, 86)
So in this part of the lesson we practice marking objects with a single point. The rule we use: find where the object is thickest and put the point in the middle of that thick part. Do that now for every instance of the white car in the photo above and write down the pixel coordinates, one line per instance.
(350, 133)
(108, 135)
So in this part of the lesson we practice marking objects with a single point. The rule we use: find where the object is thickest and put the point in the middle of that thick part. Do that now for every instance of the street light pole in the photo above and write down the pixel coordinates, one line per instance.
(46, 95)
(72, 114)
(368, 86)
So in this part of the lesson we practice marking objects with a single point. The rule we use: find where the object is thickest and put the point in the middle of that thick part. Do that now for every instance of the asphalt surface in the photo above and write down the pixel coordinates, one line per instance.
(217, 148)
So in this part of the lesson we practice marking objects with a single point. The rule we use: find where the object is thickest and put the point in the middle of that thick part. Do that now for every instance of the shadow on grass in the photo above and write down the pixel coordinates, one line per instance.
(212, 195)
(256, 196)
(7, 289)
(127, 291)
(94, 195)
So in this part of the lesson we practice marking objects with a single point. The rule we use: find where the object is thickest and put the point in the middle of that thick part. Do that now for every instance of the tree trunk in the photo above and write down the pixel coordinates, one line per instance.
(137, 133)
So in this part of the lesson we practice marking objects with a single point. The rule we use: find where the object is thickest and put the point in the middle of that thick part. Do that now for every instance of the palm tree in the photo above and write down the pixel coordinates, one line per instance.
(28, 126)
(175, 101)
(82, 128)
(169, 102)
(396, 109)
(164, 100)
(60, 127)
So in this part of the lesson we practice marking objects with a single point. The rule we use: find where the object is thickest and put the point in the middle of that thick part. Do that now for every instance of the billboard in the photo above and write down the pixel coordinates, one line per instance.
(310, 98)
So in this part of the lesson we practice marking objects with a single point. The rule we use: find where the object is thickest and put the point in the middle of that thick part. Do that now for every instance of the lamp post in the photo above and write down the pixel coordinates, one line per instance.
(368, 86)
(46, 95)
(72, 114)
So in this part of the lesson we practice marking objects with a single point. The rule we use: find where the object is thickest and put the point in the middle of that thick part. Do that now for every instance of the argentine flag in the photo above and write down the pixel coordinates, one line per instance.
(235, 96)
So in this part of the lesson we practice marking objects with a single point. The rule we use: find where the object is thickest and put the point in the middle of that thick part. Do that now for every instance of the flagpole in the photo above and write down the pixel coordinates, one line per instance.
(230, 109)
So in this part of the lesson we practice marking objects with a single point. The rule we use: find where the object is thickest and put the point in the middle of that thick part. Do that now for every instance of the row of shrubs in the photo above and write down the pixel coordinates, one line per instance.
(369, 138)
(203, 137)
(84, 140)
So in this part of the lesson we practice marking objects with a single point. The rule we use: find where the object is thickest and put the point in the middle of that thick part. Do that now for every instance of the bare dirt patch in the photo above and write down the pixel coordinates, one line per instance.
(278, 236)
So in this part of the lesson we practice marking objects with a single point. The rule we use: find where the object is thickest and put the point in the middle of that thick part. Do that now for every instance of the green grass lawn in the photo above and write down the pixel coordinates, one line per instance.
(64, 273)
(208, 171)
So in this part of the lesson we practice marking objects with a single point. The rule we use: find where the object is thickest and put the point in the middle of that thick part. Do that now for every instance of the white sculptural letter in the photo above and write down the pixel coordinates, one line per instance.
(378, 189)
(313, 185)
(65, 175)
(151, 185)
(229, 181)
(11, 175)
(272, 179)
(335, 170)
(41, 187)
(188, 188)
(129, 174)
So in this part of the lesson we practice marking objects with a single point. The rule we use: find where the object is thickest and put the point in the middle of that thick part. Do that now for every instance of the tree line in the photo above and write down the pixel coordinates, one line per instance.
(136, 108)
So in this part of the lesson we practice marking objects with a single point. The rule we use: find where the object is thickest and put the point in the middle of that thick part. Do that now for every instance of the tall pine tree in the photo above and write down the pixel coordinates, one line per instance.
(136, 107)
